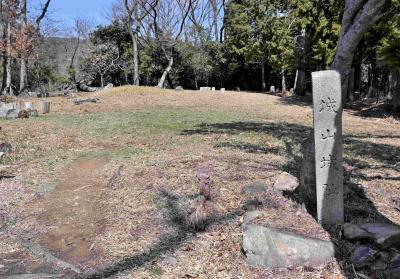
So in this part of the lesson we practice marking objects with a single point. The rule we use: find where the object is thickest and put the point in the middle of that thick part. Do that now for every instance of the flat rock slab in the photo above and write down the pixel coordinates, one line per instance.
(257, 187)
(271, 248)
(384, 235)
(286, 182)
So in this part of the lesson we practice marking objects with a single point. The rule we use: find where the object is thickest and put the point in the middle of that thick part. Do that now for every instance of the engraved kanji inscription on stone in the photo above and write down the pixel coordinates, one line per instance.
(328, 134)
(328, 104)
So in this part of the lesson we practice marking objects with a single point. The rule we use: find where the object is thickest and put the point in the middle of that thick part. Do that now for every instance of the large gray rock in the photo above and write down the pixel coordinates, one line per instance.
(12, 114)
(271, 248)
(286, 182)
(384, 235)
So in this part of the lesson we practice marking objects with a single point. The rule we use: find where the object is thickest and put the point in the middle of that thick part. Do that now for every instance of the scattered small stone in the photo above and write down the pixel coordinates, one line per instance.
(23, 114)
(384, 235)
(362, 256)
(179, 88)
(109, 85)
(33, 113)
(252, 204)
(5, 147)
(286, 182)
(171, 261)
(257, 187)
(88, 100)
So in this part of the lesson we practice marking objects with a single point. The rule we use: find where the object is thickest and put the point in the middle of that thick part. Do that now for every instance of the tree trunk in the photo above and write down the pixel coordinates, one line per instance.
(72, 70)
(300, 82)
(102, 80)
(264, 85)
(283, 82)
(358, 17)
(135, 61)
(165, 73)
(23, 77)
(134, 38)
(396, 92)
(215, 19)
(8, 89)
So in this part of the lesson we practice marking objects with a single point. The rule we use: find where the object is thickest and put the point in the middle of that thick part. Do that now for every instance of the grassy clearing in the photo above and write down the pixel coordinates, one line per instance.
(159, 138)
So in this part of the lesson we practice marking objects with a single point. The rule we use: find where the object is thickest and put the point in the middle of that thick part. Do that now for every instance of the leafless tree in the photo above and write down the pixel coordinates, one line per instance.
(168, 20)
(24, 26)
(135, 14)
(81, 32)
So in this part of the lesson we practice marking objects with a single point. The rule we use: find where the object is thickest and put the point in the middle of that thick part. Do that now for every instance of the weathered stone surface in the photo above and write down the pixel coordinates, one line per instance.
(109, 85)
(257, 187)
(327, 102)
(250, 216)
(33, 113)
(179, 88)
(362, 256)
(205, 88)
(384, 235)
(286, 182)
(272, 89)
(267, 247)
(222, 89)
(45, 107)
(12, 114)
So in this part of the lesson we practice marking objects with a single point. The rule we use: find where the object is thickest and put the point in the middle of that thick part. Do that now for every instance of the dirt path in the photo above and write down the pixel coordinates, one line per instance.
(73, 214)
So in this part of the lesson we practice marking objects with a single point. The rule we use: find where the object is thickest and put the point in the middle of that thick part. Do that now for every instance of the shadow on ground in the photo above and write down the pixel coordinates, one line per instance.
(296, 100)
(358, 207)
(176, 218)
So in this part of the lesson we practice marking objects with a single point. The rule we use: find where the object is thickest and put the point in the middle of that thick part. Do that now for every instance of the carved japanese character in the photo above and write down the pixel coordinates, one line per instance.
(327, 161)
(328, 104)
(328, 134)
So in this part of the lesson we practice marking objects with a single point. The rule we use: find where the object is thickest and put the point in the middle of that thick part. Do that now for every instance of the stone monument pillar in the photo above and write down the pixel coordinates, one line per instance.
(327, 104)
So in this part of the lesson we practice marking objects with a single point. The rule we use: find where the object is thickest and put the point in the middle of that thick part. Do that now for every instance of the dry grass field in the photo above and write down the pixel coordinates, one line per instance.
(98, 186)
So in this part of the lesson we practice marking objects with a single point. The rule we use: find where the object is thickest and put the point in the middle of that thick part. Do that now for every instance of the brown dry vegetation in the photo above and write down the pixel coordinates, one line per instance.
(100, 185)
